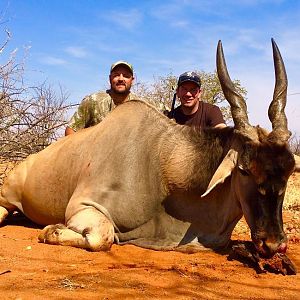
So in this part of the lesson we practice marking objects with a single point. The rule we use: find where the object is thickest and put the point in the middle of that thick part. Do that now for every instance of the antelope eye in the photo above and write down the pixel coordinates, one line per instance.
(262, 191)
(243, 171)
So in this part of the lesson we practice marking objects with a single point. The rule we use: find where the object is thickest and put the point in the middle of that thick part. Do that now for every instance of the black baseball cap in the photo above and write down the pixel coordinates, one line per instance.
(189, 76)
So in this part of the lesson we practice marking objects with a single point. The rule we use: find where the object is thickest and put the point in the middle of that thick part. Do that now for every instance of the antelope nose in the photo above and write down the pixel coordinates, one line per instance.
(274, 247)
(282, 248)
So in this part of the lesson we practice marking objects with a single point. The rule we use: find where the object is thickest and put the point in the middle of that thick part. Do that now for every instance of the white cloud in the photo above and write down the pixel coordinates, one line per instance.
(166, 11)
(77, 52)
(180, 24)
(247, 3)
(291, 44)
(125, 19)
(53, 61)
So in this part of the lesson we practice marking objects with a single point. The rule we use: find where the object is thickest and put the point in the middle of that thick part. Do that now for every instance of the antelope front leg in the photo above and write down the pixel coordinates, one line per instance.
(88, 229)
(3, 214)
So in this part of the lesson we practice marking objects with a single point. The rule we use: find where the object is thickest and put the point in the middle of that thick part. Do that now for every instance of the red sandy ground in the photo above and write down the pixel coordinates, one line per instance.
(30, 270)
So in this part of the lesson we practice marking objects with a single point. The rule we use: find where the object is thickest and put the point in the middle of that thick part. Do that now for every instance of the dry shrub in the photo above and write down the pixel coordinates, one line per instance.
(5, 168)
(292, 196)
(31, 117)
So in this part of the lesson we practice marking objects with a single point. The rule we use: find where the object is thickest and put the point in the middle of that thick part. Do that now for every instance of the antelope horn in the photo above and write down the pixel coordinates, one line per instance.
(276, 109)
(236, 101)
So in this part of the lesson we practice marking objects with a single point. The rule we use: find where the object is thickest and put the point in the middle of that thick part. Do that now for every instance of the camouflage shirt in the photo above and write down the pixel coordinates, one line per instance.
(93, 109)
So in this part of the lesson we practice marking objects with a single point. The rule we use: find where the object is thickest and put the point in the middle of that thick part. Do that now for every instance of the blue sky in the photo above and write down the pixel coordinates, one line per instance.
(74, 42)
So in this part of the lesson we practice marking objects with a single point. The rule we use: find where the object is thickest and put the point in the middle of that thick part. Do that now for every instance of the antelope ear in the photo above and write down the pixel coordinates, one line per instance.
(223, 171)
(297, 160)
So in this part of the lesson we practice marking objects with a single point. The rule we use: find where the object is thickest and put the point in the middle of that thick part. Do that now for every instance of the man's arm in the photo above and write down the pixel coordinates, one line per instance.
(69, 131)
(216, 117)
(221, 125)
(80, 118)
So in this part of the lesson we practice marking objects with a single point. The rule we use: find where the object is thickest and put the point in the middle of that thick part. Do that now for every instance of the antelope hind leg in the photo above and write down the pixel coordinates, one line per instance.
(88, 229)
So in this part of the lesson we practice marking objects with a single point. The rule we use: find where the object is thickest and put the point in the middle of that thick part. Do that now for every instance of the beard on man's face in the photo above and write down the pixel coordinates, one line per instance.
(120, 89)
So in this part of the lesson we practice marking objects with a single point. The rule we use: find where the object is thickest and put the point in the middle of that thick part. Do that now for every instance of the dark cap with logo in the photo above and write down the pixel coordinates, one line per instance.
(189, 76)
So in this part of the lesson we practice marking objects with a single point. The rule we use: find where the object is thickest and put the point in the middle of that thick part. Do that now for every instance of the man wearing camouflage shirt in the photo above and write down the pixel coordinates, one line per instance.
(94, 108)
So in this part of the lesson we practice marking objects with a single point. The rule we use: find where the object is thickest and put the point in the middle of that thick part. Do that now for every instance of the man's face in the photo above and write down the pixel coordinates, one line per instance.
(121, 79)
(189, 94)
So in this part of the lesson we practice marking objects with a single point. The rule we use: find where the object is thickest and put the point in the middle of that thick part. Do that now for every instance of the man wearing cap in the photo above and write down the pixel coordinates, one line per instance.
(192, 110)
(94, 108)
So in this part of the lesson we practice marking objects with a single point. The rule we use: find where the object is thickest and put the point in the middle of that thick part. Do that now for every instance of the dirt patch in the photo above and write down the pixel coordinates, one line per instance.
(30, 270)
